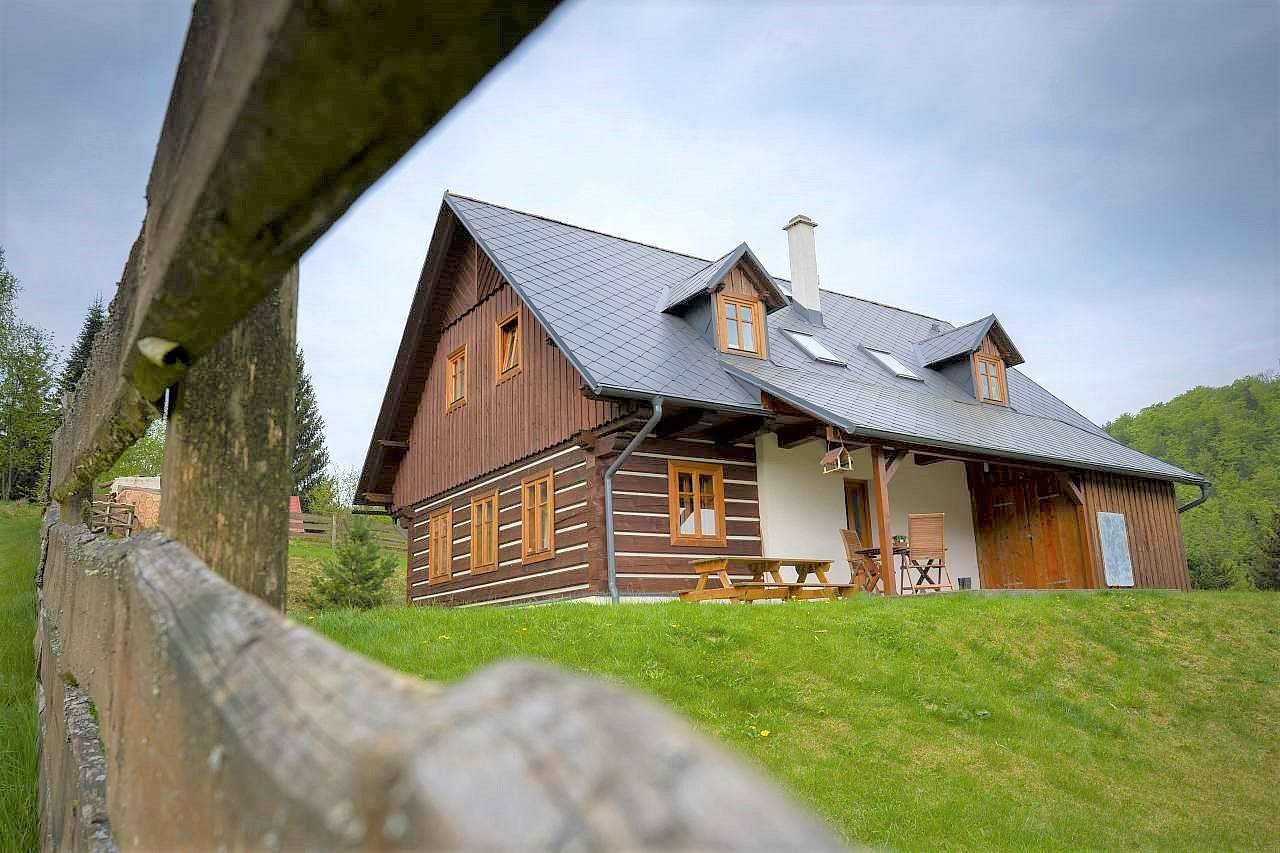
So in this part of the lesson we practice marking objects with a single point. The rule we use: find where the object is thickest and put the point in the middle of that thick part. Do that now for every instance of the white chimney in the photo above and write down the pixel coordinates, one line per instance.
(804, 264)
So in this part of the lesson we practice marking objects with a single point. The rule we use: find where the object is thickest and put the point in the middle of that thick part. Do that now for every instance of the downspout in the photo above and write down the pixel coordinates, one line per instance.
(1205, 493)
(608, 493)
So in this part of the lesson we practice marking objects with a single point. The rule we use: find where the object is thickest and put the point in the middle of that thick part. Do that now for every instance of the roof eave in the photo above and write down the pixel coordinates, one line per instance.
(853, 429)
(376, 456)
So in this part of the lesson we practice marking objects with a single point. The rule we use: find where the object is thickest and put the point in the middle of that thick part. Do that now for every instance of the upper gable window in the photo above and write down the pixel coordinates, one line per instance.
(815, 348)
(741, 325)
(507, 357)
(989, 381)
(890, 362)
(455, 386)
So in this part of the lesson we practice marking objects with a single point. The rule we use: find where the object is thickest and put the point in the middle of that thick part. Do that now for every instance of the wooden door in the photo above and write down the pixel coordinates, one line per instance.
(1059, 551)
(1011, 538)
(1028, 532)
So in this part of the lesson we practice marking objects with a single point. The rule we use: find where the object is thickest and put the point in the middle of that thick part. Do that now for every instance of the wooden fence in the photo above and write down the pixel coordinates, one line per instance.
(179, 708)
(332, 529)
(111, 518)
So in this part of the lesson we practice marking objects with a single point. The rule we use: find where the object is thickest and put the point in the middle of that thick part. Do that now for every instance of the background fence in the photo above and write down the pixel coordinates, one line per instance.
(332, 528)
(179, 708)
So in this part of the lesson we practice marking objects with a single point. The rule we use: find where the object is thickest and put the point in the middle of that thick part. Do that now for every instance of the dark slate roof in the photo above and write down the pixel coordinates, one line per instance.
(601, 298)
(965, 340)
(880, 411)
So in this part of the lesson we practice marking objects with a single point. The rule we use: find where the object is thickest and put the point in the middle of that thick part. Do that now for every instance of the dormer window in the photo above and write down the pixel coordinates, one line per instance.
(741, 325)
(988, 375)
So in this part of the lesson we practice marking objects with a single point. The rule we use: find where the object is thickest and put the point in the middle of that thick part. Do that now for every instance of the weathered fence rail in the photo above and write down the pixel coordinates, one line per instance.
(332, 528)
(179, 708)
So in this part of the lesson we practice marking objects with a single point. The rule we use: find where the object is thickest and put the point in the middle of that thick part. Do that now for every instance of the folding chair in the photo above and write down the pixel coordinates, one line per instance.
(926, 554)
(864, 572)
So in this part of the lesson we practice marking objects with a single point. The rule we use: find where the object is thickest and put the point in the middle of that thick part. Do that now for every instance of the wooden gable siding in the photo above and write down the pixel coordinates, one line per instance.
(737, 283)
(500, 423)
(1150, 510)
(648, 563)
(988, 348)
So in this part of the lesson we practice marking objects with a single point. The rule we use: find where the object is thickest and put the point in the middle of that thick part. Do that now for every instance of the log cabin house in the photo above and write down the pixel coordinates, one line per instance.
(576, 415)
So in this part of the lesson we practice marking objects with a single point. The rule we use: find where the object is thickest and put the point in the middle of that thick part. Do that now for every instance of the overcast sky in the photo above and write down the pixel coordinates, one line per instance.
(1104, 177)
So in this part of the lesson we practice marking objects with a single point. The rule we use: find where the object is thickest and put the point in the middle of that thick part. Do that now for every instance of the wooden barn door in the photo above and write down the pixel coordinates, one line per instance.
(1027, 531)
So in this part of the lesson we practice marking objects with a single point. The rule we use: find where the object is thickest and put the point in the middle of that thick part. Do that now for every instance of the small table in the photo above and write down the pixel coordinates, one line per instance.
(759, 588)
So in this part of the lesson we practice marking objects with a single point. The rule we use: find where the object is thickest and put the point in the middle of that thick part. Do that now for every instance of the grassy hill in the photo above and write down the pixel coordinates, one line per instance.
(19, 549)
(1231, 435)
(1103, 721)
(1073, 720)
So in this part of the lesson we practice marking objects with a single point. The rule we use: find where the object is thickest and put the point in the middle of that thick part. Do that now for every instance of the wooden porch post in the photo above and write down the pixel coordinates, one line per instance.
(880, 484)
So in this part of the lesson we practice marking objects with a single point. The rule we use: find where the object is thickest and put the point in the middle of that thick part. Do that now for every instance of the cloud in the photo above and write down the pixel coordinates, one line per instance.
(1106, 178)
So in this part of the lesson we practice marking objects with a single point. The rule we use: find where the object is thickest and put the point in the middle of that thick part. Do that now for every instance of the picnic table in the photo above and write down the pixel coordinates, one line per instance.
(760, 587)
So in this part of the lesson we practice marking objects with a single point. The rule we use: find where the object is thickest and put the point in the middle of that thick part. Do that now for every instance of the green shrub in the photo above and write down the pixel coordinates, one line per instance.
(357, 578)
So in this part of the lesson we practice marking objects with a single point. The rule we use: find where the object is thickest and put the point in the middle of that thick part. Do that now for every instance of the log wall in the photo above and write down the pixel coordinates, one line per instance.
(572, 572)
(648, 563)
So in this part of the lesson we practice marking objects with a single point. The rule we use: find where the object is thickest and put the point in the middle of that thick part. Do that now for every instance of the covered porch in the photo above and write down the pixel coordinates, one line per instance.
(1003, 525)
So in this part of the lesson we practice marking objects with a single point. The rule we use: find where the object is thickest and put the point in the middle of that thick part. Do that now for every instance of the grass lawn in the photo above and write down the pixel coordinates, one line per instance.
(19, 549)
(1075, 720)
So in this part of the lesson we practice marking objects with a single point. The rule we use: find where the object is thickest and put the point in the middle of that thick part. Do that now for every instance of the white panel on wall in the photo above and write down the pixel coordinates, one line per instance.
(1114, 535)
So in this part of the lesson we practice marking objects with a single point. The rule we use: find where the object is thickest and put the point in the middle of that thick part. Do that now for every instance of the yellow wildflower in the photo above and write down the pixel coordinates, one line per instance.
(764, 733)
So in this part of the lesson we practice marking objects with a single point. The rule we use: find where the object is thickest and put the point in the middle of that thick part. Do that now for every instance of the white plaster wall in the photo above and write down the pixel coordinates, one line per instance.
(802, 509)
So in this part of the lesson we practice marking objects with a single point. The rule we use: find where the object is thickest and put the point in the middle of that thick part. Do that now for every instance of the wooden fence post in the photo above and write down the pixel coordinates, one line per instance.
(227, 452)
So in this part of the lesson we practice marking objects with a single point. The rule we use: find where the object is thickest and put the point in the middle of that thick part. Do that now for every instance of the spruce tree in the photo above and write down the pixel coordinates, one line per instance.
(310, 455)
(78, 358)
(1266, 572)
(357, 578)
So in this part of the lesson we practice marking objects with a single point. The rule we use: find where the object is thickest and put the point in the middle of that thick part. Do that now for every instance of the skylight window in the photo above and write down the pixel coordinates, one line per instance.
(890, 362)
(815, 348)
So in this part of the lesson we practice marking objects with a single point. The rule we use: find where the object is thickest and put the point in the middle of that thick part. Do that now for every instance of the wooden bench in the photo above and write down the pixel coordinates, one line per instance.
(759, 588)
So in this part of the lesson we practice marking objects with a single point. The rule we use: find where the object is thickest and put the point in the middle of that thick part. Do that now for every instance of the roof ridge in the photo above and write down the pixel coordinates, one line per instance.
(883, 305)
(580, 227)
(681, 254)
(958, 328)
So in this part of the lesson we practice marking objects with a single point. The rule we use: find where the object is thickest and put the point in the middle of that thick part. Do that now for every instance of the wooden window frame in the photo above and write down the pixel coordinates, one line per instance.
(757, 321)
(459, 354)
(526, 517)
(499, 374)
(978, 359)
(440, 565)
(674, 469)
(490, 537)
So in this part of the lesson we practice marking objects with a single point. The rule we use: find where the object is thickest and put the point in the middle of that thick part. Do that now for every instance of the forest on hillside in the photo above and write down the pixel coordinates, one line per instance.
(1231, 436)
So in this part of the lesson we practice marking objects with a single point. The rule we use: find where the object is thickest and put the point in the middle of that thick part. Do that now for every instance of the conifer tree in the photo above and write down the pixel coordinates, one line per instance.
(357, 578)
(1266, 573)
(78, 358)
(310, 455)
